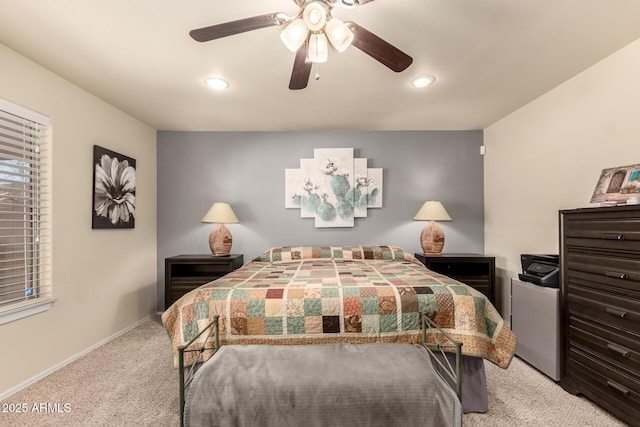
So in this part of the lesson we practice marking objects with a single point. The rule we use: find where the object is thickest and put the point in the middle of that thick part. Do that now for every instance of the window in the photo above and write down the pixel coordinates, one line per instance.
(25, 214)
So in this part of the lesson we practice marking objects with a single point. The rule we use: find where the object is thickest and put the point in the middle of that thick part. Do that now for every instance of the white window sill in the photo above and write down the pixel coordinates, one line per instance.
(28, 308)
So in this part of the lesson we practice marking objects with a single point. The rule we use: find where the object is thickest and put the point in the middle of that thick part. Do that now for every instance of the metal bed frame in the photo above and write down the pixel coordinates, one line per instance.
(212, 344)
(454, 374)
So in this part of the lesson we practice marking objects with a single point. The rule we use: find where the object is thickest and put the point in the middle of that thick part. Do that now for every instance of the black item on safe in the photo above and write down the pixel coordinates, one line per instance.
(542, 270)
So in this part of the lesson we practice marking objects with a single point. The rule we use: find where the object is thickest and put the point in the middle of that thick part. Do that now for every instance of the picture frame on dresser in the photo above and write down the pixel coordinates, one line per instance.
(616, 185)
(599, 303)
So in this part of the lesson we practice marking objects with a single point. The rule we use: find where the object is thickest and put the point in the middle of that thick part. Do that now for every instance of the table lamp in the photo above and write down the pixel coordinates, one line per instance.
(220, 239)
(432, 236)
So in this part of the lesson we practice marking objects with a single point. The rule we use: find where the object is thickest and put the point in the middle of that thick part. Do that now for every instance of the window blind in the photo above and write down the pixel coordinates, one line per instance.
(25, 214)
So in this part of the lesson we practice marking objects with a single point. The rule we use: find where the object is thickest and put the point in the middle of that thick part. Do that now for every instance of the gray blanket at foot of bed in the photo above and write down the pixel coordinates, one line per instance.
(320, 385)
(474, 381)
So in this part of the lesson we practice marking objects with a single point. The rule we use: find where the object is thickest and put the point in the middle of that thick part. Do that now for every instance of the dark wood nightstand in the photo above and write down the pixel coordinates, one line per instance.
(477, 271)
(183, 273)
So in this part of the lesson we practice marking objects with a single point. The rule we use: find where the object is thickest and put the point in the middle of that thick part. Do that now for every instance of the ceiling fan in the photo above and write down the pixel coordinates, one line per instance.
(309, 33)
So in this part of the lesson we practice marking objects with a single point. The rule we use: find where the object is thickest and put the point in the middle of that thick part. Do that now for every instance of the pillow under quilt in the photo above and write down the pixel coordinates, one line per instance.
(292, 253)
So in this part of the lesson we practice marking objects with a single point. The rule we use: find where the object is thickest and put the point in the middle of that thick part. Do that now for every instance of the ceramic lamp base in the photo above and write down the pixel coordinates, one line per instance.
(220, 240)
(432, 239)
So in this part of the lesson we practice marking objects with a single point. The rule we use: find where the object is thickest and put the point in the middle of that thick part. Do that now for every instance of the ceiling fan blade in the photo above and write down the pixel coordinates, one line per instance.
(361, 2)
(219, 31)
(301, 70)
(378, 49)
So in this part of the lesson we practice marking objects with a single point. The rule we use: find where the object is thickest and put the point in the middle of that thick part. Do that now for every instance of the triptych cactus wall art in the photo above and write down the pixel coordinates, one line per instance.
(334, 188)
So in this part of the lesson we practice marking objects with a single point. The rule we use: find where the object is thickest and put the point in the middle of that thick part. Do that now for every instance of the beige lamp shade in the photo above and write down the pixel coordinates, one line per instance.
(432, 236)
(220, 239)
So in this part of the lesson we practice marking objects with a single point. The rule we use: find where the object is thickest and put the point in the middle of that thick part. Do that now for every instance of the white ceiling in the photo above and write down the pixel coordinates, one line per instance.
(489, 57)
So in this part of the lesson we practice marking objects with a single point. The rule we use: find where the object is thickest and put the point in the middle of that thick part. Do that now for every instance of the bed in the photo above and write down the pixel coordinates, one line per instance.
(335, 294)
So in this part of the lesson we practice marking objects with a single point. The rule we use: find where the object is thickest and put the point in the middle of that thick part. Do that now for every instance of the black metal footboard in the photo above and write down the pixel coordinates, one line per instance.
(187, 374)
(454, 374)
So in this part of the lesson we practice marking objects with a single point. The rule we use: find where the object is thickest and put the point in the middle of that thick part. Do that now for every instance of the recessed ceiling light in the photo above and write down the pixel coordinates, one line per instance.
(217, 83)
(423, 81)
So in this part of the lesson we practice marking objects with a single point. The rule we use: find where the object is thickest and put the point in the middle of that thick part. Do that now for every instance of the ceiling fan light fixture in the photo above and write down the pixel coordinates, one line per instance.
(217, 83)
(349, 4)
(294, 35)
(318, 48)
(315, 16)
(339, 34)
(422, 81)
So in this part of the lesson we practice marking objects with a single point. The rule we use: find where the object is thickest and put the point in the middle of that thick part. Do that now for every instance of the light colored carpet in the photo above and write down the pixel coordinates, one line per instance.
(131, 382)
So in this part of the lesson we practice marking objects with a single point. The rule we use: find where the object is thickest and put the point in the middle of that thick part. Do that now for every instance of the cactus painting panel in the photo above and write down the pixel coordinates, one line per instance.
(360, 199)
(373, 187)
(293, 188)
(335, 180)
(312, 188)
(334, 188)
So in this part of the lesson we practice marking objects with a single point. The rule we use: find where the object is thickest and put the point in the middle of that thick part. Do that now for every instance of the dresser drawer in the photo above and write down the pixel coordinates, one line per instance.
(619, 348)
(599, 233)
(622, 228)
(603, 307)
(204, 270)
(616, 391)
(622, 273)
(627, 245)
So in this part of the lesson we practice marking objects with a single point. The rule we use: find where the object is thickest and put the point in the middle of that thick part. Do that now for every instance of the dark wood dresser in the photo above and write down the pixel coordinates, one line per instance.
(477, 271)
(600, 304)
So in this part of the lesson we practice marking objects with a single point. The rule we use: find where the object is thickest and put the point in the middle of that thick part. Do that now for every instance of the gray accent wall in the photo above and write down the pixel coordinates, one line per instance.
(246, 169)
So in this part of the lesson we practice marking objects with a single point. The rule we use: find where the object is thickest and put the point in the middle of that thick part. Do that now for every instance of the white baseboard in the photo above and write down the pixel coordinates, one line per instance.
(62, 364)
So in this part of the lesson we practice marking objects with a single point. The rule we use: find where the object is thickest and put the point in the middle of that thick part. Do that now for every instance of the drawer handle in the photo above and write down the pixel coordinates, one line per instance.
(609, 236)
(618, 349)
(616, 274)
(617, 313)
(617, 387)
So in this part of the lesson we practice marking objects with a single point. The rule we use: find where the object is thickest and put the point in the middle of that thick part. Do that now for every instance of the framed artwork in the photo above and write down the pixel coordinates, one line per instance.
(333, 188)
(114, 189)
(617, 184)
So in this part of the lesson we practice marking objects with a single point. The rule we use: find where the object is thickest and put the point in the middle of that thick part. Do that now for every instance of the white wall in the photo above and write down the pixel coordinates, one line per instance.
(103, 280)
(548, 156)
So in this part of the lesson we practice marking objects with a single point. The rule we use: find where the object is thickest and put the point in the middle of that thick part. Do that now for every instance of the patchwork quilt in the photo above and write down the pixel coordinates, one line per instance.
(331, 294)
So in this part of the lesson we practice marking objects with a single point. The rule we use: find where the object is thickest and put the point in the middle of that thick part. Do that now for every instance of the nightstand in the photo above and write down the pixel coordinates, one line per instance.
(477, 271)
(183, 273)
